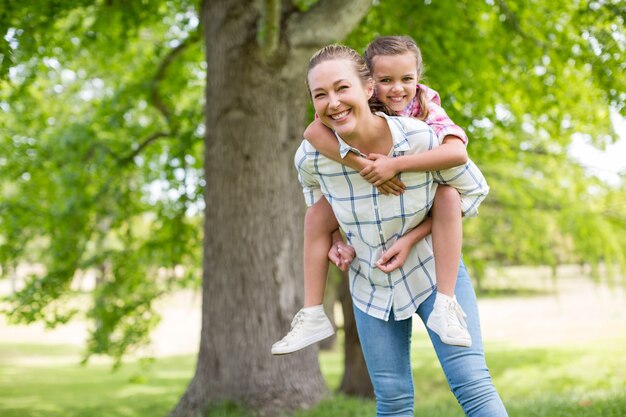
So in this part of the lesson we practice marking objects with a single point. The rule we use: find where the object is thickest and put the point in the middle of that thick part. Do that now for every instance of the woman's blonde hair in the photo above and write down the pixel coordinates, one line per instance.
(397, 45)
(337, 51)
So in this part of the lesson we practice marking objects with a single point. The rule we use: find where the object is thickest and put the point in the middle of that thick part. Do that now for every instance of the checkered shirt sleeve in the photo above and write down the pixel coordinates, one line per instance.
(469, 181)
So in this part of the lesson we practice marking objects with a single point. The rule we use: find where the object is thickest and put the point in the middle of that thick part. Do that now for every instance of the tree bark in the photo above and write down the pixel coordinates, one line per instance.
(331, 296)
(356, 381)
(252, 269)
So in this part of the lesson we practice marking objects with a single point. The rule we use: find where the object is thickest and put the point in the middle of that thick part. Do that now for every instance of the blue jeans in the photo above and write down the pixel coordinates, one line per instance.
(387, 345)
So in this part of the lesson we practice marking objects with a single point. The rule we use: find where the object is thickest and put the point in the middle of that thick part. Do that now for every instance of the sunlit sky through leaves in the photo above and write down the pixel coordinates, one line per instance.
(605, 164)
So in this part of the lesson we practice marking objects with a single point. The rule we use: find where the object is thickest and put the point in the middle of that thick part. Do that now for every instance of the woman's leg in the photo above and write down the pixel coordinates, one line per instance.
(387, 351)
(465, 368)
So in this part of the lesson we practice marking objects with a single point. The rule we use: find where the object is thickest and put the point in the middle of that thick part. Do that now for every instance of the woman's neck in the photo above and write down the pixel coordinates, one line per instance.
(372, 135)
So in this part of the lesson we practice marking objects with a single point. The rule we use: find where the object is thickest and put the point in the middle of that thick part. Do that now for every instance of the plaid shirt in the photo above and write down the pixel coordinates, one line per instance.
(437, 117)
(373, 222)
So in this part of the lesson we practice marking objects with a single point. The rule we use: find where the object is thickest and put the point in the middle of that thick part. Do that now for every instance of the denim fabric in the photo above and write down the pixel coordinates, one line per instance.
(387, 345)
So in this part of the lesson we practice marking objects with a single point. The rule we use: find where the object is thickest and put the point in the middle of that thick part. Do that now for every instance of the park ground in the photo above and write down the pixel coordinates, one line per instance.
(556, 346)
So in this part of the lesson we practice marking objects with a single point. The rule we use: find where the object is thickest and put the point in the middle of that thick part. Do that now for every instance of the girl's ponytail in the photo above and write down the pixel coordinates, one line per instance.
(423, 102)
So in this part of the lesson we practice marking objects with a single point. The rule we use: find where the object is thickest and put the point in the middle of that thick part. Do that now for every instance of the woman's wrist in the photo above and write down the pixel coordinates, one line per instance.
(336, 236)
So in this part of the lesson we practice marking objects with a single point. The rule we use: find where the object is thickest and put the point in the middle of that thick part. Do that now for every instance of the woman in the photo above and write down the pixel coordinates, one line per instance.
(341, 86)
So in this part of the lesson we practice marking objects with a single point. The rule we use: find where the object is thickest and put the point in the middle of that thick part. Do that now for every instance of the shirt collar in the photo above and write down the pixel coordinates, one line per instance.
(398, 137)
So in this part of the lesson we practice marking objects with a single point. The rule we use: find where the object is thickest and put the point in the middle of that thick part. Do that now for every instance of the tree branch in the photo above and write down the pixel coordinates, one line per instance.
(269, 32)
(513, 22)
(156, 135)
(155, 96)
(326, 22)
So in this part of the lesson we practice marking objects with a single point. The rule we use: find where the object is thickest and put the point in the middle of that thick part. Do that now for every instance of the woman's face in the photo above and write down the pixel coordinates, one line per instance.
(396, 79)
(339, 96)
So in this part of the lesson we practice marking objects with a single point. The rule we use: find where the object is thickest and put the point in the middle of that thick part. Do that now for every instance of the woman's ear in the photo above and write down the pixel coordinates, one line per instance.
(370, 88)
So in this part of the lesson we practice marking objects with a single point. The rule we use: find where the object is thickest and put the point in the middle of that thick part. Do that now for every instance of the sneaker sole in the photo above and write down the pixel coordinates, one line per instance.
(456, 342)
(449, 340)
(304, 343)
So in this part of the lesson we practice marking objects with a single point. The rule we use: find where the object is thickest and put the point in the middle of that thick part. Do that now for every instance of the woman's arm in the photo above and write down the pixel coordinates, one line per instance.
(340, 253)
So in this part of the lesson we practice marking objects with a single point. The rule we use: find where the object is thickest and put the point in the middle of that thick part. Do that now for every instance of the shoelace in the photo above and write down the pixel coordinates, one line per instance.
(295, 323)
(456, 315)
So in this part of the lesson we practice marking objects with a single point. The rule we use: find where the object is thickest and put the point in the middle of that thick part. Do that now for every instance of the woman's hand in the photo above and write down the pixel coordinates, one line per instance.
(393, 186)
(341, 254)
(394, 257)
(381, 170)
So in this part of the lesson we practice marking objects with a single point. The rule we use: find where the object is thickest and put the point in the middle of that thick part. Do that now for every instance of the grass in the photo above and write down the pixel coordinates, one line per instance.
(582, 381)
(46, 381)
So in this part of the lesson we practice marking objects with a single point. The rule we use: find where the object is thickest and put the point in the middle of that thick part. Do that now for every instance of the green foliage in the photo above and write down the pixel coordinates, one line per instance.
(524, 79)
(104, 133)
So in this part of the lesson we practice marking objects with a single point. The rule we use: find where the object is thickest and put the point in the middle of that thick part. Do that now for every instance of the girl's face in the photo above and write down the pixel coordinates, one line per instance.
(339, 96)
(396, 79)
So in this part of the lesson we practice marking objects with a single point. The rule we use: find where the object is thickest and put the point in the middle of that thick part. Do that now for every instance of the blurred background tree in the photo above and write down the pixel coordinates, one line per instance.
(101, 111)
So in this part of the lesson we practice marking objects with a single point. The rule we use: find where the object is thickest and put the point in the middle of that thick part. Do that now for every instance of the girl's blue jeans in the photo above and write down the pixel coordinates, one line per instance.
(387, 345)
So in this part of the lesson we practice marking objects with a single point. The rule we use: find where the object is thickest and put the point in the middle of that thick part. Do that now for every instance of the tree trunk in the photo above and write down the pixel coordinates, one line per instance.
(356, 381)
(331, 296)
(252, 246)
(252, 259)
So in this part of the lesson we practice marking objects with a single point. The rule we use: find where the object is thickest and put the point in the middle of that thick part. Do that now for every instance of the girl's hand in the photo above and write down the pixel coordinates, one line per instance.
(342, 255)
(392, 186)
(381, 170)
(394, 257)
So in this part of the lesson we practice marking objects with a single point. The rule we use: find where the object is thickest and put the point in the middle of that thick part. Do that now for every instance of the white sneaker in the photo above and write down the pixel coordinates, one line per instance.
(448, 320)
(306, 328)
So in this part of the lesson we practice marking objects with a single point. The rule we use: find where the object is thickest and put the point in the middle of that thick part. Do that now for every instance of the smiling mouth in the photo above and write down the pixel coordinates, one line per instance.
(341, 115)
(396, 99)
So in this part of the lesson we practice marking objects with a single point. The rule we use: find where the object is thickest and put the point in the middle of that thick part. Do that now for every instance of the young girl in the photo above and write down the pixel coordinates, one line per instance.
(397, 67)
(384, 303)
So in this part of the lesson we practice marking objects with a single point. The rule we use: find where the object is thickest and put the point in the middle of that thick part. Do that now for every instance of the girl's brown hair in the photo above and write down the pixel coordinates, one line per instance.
(336, 51)
(397, 45)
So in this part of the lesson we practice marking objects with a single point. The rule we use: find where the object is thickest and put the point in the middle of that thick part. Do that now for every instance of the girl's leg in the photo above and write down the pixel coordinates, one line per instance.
(447, 237)
(310, 324)
(447, 319)
(319, 224)
(387, 351)
(465, 368)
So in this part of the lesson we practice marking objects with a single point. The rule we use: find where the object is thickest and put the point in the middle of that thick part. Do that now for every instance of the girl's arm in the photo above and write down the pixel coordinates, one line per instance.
(451, 153)
(394, 257)
(324, 140)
